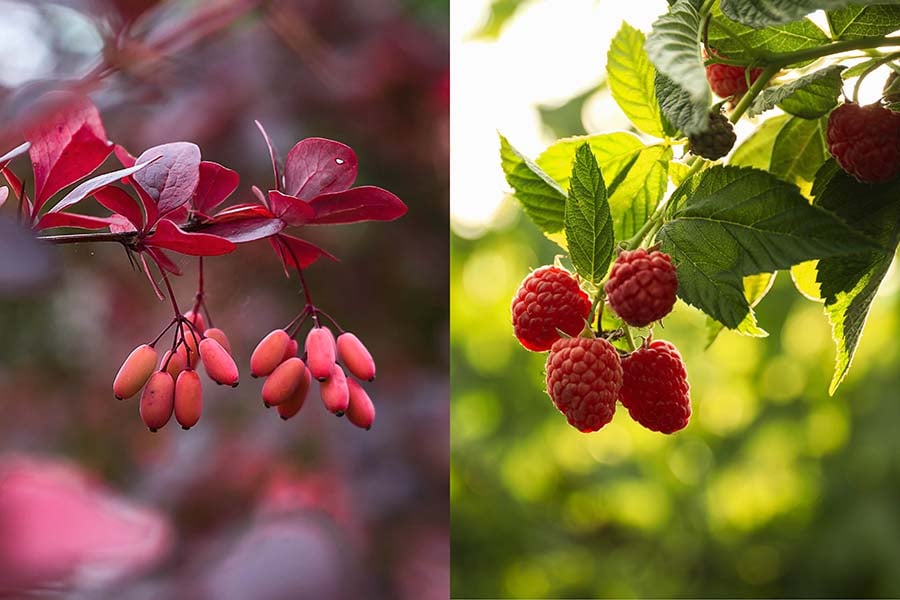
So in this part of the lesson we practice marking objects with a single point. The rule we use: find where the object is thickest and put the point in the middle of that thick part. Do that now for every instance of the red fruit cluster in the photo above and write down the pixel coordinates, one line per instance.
(728, 81)
(585, 377)
(548, 301)
(288, 378)
(865, 141)
(642, 286)
(172, 386)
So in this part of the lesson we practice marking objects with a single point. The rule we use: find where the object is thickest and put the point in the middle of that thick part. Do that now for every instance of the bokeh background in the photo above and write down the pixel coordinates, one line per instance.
(775, 489)
(244, 505)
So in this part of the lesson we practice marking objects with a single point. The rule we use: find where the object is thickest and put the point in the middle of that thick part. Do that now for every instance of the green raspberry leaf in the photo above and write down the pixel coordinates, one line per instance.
(542, 199)
(800, 149)
(630, 76)
(678, 109)
(849, 284)
(761, 13)
(746, 44)
(856, 22)
(755, 289)
(589, 230)
(633, 199)
(739, 222)
(756, 150)
(810, 96)
(674, 49)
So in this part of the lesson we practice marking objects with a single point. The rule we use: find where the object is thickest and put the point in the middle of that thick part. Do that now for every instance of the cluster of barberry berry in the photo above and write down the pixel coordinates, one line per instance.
(173, 386)
(288, 377)
(586, 374)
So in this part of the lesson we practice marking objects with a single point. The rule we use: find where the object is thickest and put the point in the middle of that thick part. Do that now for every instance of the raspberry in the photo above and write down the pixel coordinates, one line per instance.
(547, 300)
(716, 141)
(727, 81)
(641, 286)
(655, 387)
(865, 140)
(583, 379)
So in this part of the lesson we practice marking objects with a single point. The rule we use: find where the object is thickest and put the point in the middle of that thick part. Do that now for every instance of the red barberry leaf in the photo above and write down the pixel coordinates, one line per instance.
(279, 184)
(18, 150)
(168, 235)
(364, 203)
(118, 201)
(318, 166)
(64, 219)
(259, 195)
(4, 192)
(150, 210)
(67, 145)
(296, 253)
(120, 224)
(89, 187)
(289, 209)
(216, 184)
(246, 230)
(124, 156)
(164, 262)
(242, 211)
(172, 180)
(14, 182)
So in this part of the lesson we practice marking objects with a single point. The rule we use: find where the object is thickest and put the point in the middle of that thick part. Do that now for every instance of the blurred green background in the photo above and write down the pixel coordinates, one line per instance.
(774, 489)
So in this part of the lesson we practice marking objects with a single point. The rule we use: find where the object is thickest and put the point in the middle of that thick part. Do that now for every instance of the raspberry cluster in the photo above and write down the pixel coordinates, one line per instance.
(865, 141)
(586, 375)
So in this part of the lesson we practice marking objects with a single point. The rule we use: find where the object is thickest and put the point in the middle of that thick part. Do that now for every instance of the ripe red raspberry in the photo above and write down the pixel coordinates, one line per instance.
(655, 389)
(547, 300)
(641, 287)
(865, 140)
(727, 80)
(584, 377)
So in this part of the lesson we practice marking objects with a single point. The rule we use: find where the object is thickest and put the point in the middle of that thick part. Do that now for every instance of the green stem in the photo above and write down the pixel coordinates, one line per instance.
(788, 58)
(598, 302)
(761, 82)
(628, 337)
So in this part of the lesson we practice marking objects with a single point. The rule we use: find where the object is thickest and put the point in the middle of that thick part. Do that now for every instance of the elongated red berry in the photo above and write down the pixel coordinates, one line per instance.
(320, 352)
(642, 286)
(269, 353)
(188, 399)
(135, 371)
(355, 356)
(158, 400)
(655, 388)
(583, 379)
(548, 301)
(176, 364)
(283, 381)
(865, 141)
(219, 365)
(361, 411)
(291, 350)
(219, 335)
(335, 393)
(294, 402)
(197, 319)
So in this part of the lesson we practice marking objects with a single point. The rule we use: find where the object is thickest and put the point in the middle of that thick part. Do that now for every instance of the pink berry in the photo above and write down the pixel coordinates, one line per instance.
(355, 356)
(320, 352)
